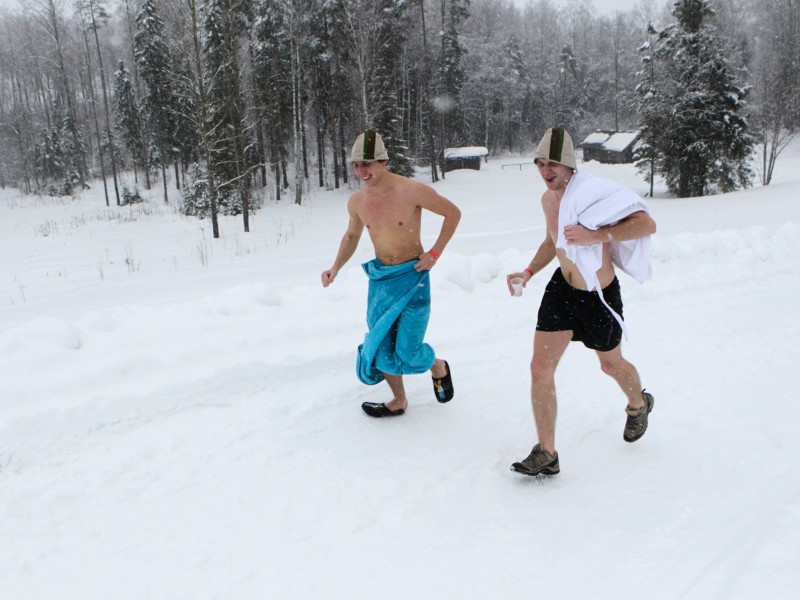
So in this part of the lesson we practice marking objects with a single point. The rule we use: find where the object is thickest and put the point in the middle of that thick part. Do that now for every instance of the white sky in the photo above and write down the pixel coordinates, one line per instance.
(603, 6)
(612, 6)
(11, 5)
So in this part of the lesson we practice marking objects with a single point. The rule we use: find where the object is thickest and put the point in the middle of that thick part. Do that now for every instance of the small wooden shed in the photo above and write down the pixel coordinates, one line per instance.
(614, 147)
(468, 157)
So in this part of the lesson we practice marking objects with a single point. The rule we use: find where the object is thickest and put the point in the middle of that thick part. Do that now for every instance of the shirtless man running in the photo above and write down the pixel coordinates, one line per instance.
(390, 207)
(569, 312)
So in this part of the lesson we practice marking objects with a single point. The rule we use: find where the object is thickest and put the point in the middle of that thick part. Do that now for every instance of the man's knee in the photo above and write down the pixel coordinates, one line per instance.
(542, 370)
(613, 367)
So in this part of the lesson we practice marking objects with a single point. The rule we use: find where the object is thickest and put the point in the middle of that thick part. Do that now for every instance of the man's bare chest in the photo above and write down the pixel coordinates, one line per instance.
(387, 214)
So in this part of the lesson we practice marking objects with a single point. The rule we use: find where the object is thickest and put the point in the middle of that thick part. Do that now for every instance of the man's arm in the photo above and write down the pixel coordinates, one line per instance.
(430, 200)
(634, 226)
(542, 258)
(347, 247)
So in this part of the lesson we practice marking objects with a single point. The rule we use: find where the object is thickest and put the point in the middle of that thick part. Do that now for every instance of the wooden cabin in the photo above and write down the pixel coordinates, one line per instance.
(468, 157)
(612, 147)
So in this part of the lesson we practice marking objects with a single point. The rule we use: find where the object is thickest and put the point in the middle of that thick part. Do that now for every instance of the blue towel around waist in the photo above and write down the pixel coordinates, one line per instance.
(398, 309)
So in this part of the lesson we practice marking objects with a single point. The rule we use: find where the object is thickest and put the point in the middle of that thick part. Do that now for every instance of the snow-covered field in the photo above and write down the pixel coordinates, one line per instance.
(180, 416)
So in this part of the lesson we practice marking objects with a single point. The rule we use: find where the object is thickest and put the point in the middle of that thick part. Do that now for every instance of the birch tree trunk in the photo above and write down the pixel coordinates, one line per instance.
(296, 118)
(96, 120)
(91, 8)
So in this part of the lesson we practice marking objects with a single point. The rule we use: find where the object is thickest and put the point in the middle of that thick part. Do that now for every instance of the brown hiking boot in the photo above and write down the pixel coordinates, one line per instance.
(539, 462)
(636, 424)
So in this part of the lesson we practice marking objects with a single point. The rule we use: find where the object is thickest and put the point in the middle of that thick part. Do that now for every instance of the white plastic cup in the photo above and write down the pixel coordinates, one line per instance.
(516, 285)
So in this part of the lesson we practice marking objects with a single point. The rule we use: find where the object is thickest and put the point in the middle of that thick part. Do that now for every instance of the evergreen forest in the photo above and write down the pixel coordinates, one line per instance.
(220, 105)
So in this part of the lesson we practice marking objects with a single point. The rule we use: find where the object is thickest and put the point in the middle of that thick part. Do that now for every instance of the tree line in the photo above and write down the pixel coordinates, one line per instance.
(242, 100)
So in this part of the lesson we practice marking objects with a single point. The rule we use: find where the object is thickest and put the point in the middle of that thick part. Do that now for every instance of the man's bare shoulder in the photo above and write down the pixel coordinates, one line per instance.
(356, 197)
(550, 197)
(410, 191)
(417, 189)
(406, 183)
(356, 201)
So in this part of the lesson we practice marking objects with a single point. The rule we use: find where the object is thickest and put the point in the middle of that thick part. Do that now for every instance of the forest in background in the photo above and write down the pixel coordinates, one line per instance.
(246, 100)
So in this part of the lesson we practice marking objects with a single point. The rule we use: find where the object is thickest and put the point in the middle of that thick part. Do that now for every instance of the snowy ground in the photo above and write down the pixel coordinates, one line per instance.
(179, 416)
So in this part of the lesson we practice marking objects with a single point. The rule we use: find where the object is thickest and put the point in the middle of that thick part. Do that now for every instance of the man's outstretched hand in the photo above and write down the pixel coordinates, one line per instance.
(327, 277)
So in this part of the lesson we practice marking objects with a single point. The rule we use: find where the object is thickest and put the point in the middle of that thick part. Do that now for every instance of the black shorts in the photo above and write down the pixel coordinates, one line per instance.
(565, 308)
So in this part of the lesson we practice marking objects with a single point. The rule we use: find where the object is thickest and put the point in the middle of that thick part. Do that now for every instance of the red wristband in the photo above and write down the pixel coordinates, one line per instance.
(528, 270)
(433, 253)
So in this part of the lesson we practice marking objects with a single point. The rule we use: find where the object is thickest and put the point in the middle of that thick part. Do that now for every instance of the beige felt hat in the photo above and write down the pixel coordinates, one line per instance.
(556, 146)
(369, 146)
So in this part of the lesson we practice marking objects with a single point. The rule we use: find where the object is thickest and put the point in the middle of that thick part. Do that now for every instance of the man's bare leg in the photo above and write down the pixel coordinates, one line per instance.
(548, 348)
(624, 373)
(398, 391)
(395, 382)
(438, 370)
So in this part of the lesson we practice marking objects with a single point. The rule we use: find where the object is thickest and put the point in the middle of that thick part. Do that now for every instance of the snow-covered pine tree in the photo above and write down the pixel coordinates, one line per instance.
(153, 62)
(49, 16)
(344, 112)
(73, 148)
(451, 72)
(200, 185)
(570, 90)
(272, 87)
(196, 196)
(58, 155)
(323, 110)
(127, 118)
(224, 23)
(521, 92)
(188, 143)
(693, 110)
(383, 86)
(48, 162)
(372, 35)
(422, 119)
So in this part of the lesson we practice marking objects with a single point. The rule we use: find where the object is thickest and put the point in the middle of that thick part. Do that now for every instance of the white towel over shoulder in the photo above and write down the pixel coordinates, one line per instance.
(594, 202)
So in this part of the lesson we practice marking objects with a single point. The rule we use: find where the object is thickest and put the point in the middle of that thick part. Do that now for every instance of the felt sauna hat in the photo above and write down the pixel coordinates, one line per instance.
(369, 146)
(556, 146)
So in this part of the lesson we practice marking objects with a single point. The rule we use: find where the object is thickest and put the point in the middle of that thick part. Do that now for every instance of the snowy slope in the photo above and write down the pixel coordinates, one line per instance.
(179, 416)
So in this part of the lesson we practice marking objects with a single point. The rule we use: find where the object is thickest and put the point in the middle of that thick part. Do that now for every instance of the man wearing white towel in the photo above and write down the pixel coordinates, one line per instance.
(592, 225)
